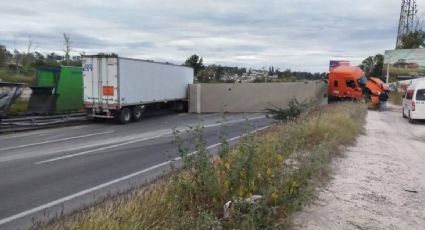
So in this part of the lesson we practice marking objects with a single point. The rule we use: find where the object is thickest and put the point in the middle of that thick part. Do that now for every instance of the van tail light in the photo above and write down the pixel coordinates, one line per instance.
(413, 105)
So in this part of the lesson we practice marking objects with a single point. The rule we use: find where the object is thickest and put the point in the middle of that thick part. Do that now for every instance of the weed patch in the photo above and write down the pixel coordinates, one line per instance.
(19, 106)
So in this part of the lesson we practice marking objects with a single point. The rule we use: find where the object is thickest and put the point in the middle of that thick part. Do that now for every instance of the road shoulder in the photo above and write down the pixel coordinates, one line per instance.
(378, 184)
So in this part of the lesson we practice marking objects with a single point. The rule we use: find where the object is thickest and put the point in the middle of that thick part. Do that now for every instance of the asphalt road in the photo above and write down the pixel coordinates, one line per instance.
(46, 172)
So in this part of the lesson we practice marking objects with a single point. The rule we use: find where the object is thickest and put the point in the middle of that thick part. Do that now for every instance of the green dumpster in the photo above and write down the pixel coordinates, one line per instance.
(57, 90)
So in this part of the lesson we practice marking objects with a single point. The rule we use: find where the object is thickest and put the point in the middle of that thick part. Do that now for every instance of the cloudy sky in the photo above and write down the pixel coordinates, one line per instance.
(295, 34)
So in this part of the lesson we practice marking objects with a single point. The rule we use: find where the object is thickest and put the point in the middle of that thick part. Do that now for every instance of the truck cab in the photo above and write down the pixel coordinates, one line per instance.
(346, 82)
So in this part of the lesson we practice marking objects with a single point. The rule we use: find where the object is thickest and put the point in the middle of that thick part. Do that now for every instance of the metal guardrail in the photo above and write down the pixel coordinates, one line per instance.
(40, 122)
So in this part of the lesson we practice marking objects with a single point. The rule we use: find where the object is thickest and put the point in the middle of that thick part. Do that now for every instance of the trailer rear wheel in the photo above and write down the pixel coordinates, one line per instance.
(124, 116)
(136, 113)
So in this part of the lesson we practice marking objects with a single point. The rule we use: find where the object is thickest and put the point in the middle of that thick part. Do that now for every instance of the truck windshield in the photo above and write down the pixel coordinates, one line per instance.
(420, 95)
(362, 81)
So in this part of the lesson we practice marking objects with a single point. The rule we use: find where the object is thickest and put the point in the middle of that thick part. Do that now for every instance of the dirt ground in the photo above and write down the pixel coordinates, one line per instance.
(379, 183)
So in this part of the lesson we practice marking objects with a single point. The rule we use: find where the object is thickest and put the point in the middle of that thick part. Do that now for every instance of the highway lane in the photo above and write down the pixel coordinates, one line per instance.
(49, 171)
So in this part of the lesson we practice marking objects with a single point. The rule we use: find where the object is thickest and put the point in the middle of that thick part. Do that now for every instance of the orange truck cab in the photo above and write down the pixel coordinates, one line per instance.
(346, 82)
(350, 82)
(374, 87)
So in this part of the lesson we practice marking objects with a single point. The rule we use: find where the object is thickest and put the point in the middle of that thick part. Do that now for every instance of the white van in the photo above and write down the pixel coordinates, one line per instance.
(414, 102)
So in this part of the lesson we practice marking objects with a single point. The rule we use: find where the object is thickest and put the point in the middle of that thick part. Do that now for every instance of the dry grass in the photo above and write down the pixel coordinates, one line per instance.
(8, 76)
(19, 106)
(284, 165)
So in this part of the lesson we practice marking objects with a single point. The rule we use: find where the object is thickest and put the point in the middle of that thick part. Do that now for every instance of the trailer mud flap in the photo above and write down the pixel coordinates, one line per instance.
(42, 100)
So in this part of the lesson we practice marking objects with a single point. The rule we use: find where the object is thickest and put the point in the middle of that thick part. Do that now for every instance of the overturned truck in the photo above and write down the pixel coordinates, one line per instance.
(350, 82)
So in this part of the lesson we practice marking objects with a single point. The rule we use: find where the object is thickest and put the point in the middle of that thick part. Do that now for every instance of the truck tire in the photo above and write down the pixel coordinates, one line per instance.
(124, 116)
(136, 113)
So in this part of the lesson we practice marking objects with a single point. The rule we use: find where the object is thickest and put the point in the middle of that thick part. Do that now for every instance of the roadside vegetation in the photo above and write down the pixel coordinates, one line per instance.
(20, 66)
(7, 75)
(20, 106)
(227, 74)
(396, 97)
(267, 177)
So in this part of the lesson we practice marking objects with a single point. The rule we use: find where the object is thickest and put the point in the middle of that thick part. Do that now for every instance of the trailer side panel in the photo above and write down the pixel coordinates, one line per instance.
(142, 82)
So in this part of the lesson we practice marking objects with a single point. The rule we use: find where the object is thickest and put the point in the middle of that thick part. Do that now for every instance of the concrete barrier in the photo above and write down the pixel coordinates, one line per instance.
(251, 97)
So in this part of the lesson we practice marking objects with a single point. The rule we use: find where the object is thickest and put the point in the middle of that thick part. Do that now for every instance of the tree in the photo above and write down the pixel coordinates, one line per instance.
(30, 43)
(413, 40)
(367, 65)
(218, 73)
(38, 56)
(17, 57)
(28, 58)
(378, 62)
(195, 62)
(373, 65)
(285, 74)
(67, 43)
(3, 55)
(205, 75)
(241, 71)
(271, 71)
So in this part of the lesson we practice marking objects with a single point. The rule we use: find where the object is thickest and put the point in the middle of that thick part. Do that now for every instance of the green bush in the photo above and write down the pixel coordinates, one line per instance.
(293, 110)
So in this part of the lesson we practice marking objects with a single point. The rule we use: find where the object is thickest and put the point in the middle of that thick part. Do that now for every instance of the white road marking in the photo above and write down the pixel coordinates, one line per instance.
(81, 193)
(134, 141)
(208, 115)
(57, 140)
(234, 121)
(95, 188)
(25, 135)
(96, 150)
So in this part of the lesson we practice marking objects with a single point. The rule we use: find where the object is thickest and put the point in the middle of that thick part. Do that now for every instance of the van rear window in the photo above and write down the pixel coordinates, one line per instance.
(420, 95)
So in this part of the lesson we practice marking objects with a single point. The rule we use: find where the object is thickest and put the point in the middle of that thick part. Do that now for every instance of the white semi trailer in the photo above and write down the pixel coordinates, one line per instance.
(121, 88)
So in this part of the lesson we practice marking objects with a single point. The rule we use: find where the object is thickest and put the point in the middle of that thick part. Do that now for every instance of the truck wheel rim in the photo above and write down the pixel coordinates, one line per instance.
(138, 113)
(127, 116)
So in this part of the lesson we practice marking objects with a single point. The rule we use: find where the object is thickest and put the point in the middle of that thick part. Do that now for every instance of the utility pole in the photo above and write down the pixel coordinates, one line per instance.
(407, 19)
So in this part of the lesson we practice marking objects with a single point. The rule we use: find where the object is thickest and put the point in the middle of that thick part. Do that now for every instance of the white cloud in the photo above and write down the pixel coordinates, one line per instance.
(296, 34)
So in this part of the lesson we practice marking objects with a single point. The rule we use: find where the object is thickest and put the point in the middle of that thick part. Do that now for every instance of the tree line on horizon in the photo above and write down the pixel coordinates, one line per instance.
(217, 73)
(15, 62)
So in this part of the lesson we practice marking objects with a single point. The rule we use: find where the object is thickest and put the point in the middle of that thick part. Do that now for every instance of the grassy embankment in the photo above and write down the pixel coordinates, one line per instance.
(9, 76)
(283, 164)
(20, 106)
